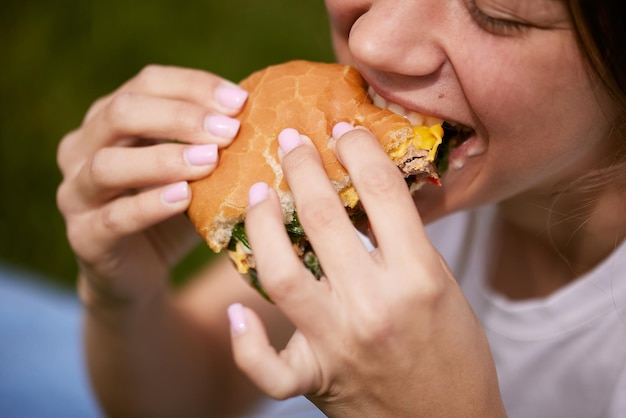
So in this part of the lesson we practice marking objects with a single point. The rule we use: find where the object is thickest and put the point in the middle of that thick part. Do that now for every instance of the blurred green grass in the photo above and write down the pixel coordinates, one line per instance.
(59, 56)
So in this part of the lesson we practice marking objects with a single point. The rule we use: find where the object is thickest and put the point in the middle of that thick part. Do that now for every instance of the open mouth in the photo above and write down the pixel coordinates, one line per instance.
(454, 134)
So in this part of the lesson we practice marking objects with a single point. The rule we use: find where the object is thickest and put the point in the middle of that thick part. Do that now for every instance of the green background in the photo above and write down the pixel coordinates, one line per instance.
(58, 56)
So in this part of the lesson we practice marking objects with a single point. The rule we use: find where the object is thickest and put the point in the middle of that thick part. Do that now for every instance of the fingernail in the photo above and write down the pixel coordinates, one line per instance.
(288, 139)
(258, 192)
(222, 126)
(237, 318)
(231, 97)
(176, 192)
(341, 128)
(201, 154)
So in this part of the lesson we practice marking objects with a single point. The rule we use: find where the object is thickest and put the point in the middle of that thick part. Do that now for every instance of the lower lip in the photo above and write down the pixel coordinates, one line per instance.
(470, 148)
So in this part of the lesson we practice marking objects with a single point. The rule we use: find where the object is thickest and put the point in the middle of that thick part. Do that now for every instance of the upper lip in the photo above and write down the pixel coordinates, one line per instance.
(395, 98)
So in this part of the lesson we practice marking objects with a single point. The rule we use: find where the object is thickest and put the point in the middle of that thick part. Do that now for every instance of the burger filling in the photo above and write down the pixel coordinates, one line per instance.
(240, 252)
(421, 159)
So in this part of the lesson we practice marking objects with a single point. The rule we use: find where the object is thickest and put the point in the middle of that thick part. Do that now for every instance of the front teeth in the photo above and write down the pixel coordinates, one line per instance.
(414, 118)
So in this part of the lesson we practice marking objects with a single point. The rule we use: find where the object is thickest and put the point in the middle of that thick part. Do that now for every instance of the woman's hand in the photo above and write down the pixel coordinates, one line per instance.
(125, 173)
(383, 333)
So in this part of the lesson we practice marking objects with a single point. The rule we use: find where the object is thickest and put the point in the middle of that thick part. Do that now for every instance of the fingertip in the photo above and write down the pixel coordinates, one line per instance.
(231, 97)
(201, 155)
(176, 193)
(258, 193)
(342, 128)
(289, 139)
(237, 318)
(256, 357)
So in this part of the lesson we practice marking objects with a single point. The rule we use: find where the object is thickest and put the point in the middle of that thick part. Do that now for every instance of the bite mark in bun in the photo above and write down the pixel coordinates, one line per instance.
(310, 97)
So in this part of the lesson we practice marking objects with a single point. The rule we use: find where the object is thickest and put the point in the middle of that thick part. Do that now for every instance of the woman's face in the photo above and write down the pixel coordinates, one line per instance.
(508, 69)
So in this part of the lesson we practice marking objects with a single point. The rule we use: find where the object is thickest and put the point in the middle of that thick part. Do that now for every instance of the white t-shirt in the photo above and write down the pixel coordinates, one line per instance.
(560, 356)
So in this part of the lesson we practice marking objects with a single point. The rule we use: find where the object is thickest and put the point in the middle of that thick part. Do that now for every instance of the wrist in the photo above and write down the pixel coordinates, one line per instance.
(117, 310)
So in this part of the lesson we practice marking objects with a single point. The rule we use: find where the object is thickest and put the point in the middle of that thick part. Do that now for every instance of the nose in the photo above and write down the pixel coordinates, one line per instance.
(399, 36)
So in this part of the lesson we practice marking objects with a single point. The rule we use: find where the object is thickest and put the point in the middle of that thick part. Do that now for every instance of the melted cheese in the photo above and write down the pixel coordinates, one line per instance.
(349, 197)
(240, 258)
(424, 137)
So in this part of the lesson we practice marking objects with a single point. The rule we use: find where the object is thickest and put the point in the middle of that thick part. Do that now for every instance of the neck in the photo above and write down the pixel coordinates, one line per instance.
(549, 240)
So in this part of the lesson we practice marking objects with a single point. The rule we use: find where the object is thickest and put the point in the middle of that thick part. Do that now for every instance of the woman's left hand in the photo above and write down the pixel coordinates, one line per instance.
(386, 333)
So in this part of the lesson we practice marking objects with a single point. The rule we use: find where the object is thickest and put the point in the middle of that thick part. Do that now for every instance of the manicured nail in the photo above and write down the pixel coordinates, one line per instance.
(288, 139)
(222, 126)
(201, 154)
(258, 192)
(237, 318)
(341, 128)
(231, 97)
(176, 192)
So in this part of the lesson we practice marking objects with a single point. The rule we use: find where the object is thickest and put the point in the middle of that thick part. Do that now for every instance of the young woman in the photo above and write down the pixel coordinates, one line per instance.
(511, 301)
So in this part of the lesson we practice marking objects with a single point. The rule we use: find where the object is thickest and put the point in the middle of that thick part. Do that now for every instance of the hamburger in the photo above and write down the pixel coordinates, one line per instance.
(310, 97)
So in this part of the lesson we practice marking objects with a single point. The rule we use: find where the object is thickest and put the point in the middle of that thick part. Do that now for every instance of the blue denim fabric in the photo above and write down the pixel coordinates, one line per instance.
(42, 371)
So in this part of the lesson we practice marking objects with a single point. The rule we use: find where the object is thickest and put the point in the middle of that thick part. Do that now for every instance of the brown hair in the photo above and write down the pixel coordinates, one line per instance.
(602, 38)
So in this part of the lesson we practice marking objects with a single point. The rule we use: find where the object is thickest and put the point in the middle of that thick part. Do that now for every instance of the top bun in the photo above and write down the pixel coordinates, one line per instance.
(308, 96)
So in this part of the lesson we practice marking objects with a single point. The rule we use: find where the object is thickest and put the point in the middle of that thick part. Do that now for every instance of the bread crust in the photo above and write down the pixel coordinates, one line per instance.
(308, 96)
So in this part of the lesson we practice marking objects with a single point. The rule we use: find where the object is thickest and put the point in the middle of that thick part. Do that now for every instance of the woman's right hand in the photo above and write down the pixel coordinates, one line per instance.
(125, 172)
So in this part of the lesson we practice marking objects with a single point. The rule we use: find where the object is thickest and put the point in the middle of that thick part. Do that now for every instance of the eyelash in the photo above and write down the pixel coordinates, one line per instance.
(493, 25)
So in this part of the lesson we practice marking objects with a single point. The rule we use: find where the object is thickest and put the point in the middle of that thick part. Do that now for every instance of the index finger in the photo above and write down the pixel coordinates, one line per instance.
(195, 86)
(391, 211)
(320, 210)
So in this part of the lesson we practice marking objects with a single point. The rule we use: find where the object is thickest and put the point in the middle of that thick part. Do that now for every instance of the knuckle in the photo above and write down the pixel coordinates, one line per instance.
(374, 325)
(280, 282)
(74, 235)
(430, 290)
(380, 180)
(149, 75)
(186, 116)
(98, 168)
(63, 197)
(77, 237)
(66, 151)
(316, 214)
(111, 221)
(167, 160)
(379, 315)
(119, 108)
(95, 108)
(247, 355)
(423, 286)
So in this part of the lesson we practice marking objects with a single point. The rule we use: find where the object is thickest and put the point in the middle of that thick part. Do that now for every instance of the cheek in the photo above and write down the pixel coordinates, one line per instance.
(536, 117)
(543, 126)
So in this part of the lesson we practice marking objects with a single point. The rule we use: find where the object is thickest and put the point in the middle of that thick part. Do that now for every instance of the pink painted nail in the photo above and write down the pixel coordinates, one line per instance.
(258, 192)
(341, 128)
(288, 139)
(231, 97)
(201, 154)
(222, 126)
(237, 319)
(176, 192)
